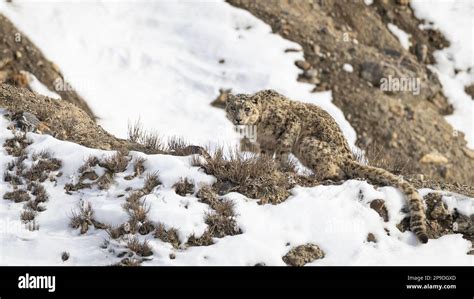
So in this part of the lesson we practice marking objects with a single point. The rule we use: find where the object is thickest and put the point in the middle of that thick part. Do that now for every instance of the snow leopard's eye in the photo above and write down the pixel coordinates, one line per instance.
(247, 109)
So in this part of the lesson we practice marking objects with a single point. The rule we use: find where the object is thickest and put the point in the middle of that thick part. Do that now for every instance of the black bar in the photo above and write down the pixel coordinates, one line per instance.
(381, 282)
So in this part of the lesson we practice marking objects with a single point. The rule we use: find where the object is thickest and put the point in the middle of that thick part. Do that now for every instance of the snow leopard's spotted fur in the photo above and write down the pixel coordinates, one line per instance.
(313, 136)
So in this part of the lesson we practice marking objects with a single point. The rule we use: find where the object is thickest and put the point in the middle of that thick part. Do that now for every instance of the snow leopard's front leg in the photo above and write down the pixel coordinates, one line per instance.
(287, 139)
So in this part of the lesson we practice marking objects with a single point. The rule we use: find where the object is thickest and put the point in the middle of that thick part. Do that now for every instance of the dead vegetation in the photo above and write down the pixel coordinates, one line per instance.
(257, 176)
(151, 140)
(88, 178)
(167, 235)
(151, 181)
(375, 156)
(16, 146)
(26, 181)
(138, 168)
(220, 220)
(116, 163)
(19, 195)
(204, 240)
(141, 249)
(27, 216)
(84, 218)
(44, 164)
(184, 186)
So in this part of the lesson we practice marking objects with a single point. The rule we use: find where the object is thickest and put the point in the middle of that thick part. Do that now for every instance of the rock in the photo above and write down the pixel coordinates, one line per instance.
(436, 208)
(3, 76)
(26, 121)
(371, 238)
(465, 224)
(89, 175)
(421, 51)
(302, 255)
(304, 65)
(397, 109)
(470, 90)
(311, 73)
(434, 158)
(378, 205)
(468, 152)
(371, 72)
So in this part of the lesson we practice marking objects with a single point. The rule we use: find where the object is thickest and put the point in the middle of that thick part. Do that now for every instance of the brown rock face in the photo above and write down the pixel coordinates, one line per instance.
(408, 124)
(18, 53)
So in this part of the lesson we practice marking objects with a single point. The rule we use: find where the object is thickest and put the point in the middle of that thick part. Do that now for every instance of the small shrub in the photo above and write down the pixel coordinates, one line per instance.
(116, 163)
(139, 248)
(27, 215)
(183, 187)
(151, 181)
(17, 196)
(167, 235)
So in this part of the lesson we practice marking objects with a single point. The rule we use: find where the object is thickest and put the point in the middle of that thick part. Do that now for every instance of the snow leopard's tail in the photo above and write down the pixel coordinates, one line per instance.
(415, 201)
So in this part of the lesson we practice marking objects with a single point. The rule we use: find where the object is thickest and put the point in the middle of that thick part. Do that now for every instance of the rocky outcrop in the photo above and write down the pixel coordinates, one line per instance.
(350, 48)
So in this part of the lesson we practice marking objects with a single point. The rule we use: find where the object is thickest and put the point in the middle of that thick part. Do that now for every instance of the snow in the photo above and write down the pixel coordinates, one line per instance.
(348, 68)
(368, 2)
(337, 218)
(170, 58)
(402, 36)
(164, 56)
(454, 64)
(38, 87)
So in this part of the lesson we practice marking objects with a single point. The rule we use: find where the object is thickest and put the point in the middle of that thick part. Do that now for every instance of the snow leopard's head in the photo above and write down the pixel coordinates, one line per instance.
(243, 109)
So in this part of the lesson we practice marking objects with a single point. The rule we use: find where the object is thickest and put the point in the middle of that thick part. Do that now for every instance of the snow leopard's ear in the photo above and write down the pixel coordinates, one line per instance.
(229, 99)
(256, 99)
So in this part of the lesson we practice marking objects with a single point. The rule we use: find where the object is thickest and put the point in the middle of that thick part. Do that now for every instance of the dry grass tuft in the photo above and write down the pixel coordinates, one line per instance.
(151, 181)
(88, 164)
(375, 155)
(16, 146)
(129, 262)
(116, 232)
(19, 195)
(139, 213)
(150, 140)
(139, 166)
(204, 240)
(104, 181)
(83, 218)
(257, 176)
(221, 222)
(167, 235)
(184, 187)
(38, 191)
(116, 163)
(221, 225)
(44, 163)
(139, 248)
(27, 216)
(12, 178)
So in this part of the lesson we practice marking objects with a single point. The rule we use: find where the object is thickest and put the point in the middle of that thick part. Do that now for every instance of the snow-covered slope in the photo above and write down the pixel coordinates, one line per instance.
(337, 218)
(160, 61)
(455, 64)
